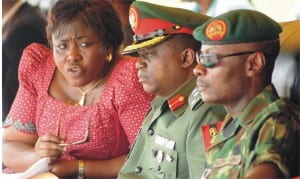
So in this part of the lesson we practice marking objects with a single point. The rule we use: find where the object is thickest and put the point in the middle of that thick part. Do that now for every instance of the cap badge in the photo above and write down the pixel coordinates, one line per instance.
(216, 30)
(133, 18)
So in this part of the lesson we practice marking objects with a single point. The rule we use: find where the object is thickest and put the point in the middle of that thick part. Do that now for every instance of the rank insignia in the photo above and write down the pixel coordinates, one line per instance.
(176, 102)
(216, 30)
(209, 133)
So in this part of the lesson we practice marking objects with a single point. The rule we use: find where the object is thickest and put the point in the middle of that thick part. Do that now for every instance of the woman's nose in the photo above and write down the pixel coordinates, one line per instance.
(74, 53)
(199, 70)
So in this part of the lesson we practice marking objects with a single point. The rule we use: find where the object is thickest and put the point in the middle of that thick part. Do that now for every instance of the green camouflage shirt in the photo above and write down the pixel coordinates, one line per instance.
(266, 131)
(169, 144)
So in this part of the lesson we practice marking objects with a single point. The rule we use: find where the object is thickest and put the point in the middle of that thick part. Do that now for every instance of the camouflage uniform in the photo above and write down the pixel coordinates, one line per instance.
(266, 131)
(169, 144)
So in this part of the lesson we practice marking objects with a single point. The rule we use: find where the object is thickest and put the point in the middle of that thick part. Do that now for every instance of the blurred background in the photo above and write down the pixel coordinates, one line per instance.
(280, 10)
(23, 22)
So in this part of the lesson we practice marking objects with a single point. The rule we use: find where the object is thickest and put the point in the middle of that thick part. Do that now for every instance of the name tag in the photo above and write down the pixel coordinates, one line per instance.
(230, 160)
(163, 141)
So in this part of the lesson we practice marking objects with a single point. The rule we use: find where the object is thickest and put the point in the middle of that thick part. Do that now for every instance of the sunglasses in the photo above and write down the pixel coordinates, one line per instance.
(81, 141)
(210, 60)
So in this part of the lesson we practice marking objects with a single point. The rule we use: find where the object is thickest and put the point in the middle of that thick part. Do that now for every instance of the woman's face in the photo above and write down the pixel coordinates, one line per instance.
(78, 53)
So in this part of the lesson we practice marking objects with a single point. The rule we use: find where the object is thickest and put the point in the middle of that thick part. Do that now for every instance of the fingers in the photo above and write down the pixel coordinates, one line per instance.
(48, 146)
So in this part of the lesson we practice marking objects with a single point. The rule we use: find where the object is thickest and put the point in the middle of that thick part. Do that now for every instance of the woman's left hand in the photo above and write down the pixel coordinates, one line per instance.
(63, 168)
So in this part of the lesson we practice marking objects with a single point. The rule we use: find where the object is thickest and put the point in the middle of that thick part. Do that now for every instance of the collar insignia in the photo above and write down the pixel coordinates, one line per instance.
(209, 133)
(176, 102)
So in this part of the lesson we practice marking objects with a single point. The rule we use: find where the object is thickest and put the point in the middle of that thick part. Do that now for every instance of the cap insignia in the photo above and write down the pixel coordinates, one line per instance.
(216, 30)
(133, 18)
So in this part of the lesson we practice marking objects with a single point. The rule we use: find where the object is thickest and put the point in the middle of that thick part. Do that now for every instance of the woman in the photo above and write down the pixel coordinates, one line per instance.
(81, 105)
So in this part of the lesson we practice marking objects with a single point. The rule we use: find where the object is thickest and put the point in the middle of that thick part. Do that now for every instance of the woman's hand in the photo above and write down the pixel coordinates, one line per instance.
(63, 168)
(48, 146)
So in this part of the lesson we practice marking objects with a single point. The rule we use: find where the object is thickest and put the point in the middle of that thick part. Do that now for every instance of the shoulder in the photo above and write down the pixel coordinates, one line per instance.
(124, 71)
(33, 59)
(125, 65)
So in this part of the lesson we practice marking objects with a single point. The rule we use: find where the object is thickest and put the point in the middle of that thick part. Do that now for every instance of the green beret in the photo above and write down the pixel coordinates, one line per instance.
(238, 26)
(153, 23)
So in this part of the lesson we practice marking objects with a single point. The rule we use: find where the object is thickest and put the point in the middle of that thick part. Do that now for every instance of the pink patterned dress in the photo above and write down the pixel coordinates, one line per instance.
(111, 124)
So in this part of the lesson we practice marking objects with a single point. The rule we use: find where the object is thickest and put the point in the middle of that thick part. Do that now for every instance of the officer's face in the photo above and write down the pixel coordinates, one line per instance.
(159, 69)
(226, 81)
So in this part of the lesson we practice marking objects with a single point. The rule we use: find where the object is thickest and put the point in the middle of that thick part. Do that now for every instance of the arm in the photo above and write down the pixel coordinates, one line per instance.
(20, 136)
(92, 168)
(21, 150)
(265, 170)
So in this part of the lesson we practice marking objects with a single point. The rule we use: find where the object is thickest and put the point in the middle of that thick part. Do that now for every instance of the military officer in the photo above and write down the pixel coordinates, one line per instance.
(169, 143)
(259, 137)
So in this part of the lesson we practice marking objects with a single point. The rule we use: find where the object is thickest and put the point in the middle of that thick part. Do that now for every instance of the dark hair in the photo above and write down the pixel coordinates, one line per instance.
(271, 50)
(99, 15)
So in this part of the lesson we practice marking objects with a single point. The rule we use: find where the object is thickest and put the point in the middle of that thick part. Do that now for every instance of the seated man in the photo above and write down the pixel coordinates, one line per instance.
(169, 144)
(259, 137)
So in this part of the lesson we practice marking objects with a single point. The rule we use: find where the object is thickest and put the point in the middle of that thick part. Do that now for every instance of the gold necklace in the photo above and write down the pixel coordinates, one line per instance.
(81, 102)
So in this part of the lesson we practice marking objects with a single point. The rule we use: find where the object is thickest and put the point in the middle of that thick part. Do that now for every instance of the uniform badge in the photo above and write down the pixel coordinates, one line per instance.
(209, 133)
(133, 18)
(163, 141)
(230, 160)
(176, 102)
(216, 30)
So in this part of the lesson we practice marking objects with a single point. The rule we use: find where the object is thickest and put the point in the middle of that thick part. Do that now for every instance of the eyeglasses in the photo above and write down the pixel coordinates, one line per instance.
(83, 140)
(210, 60)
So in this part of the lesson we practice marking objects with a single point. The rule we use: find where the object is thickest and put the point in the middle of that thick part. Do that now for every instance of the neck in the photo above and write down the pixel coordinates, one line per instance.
(84, 93)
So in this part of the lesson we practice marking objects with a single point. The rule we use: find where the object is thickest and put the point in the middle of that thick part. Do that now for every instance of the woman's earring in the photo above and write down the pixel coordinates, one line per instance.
(109, 58)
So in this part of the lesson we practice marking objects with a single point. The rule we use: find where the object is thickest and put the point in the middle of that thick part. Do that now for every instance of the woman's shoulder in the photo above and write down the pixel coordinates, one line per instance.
(35, 59)
(35, 54)
(123, 73)
(125, 66)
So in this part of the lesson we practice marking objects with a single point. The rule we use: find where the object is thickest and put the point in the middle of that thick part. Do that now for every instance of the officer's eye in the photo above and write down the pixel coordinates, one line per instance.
(146, 55)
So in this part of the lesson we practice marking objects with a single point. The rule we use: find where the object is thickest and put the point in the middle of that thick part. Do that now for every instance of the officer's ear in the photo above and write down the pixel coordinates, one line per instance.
(255, 63)
(187, 57)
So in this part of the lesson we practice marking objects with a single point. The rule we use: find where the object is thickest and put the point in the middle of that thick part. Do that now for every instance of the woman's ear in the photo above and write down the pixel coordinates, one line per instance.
(255, 64)
(187, 57)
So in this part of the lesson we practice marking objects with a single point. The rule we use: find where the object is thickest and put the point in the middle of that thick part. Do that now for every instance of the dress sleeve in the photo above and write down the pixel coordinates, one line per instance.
(131, 102)
(277, 143)
(23, 110)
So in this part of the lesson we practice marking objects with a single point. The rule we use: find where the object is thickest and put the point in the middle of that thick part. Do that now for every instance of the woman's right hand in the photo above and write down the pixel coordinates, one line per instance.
(48, 146)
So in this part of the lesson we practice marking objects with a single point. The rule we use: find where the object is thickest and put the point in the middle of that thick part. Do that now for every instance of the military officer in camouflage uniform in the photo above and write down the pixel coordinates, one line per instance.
(259, 137)
(169, 143)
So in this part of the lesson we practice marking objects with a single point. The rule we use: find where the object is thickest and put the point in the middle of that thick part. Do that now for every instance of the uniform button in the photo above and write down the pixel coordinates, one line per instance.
(158, 168)
(138, 169)
(150, 132)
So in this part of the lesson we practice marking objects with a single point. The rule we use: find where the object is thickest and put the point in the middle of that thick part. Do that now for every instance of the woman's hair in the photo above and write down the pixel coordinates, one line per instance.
(98, 15)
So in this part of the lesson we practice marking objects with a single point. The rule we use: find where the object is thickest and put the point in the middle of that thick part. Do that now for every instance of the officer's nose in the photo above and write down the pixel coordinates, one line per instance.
(199, 70)
(140, 63)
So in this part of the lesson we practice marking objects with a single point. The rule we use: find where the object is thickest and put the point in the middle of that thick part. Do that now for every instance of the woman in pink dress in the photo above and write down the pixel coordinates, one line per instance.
(80, 103)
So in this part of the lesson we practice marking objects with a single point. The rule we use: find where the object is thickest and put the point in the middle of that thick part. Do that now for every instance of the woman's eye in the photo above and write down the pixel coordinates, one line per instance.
(62, 46)
(84, 44)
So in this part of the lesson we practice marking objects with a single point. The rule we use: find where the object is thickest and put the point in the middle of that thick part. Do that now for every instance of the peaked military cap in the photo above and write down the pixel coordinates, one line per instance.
(238, 26)
(153, 23)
